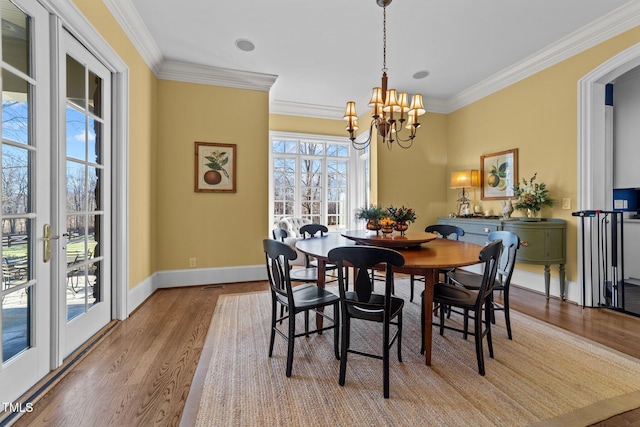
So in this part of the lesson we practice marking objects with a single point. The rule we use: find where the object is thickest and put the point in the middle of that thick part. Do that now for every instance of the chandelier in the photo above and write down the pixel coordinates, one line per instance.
(390, 109)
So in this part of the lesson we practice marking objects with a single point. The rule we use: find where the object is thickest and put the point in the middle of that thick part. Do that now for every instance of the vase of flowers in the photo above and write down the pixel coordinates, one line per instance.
(532, 196)
(373, 214)
(402, 217)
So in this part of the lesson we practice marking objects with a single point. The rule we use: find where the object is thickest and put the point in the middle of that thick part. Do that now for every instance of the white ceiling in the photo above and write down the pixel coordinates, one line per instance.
(327, 52)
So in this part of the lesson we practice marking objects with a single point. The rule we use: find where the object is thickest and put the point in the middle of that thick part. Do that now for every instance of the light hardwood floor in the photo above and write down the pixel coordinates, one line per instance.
(139, 374)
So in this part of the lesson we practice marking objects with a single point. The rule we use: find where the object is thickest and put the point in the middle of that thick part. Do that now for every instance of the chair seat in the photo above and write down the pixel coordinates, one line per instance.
(304, 274)
(472, 280)
(309, 296)
(375, 315)
(447, 294)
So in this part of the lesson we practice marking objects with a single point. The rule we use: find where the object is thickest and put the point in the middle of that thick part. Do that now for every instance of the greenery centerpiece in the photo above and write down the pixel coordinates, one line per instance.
(401, 217)
(532, 196)
(372, 214)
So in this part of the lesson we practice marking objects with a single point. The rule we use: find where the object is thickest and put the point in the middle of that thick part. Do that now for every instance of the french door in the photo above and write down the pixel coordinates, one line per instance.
(83, 208)
(55, 208)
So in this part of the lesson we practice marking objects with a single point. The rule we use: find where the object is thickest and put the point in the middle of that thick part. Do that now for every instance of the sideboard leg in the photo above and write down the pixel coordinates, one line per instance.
(562, 283)
(547, 280)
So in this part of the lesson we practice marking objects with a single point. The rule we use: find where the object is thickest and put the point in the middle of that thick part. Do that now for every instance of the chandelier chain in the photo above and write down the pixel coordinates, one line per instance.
(384, 39)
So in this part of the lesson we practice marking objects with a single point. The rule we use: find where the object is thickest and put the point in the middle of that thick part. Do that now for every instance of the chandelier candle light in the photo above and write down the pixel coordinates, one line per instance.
(390, 109)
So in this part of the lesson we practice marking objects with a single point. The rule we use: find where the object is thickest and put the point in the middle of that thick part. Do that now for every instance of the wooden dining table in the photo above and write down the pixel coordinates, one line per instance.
(425, 259)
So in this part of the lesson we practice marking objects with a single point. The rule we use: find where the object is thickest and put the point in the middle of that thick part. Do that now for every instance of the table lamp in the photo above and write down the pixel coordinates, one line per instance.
(464, 179)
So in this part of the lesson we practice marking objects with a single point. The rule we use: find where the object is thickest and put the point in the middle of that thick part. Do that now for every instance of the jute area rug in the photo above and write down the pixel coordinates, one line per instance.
(544, 375)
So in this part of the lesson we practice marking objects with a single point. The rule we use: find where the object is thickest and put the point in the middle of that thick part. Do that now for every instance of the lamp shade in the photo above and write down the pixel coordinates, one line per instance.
(475, 178)
(462, 179)
(350, 111)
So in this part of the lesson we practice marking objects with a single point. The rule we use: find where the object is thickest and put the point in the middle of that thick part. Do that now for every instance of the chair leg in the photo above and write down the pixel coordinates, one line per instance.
(291, 341)
(274, 311)
(346, 325)
(399, 343)
(477, 332)
(411, 295)
(306, 323)
(488, 313)
(336, 330)
(441, 320)
(465, 323)
(385, 360)
(507, 318)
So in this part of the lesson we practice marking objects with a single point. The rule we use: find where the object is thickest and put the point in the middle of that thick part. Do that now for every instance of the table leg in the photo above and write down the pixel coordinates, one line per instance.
(322, 269)
(431, 278)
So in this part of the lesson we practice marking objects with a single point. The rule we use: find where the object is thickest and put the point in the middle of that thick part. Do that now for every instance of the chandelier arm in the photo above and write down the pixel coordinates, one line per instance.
(362, 145)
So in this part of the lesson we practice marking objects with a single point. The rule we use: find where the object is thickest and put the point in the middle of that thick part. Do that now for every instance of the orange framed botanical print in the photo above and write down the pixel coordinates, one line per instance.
(499, 173)
(215, 167)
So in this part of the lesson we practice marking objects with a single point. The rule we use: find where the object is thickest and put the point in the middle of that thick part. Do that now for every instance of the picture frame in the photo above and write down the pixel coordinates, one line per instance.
(215, 168)
(498, 175)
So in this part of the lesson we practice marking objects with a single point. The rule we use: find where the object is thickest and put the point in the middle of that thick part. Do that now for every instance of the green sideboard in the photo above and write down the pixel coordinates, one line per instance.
(543, 242)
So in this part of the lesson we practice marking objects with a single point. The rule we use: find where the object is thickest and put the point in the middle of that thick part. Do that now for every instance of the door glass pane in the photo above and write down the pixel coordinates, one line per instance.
(15, 108)
(16, 272)
(16, 325)
(94, 188)
(76, 187)
(76, 83)
(16, 33)
(76, 134)
(16, 256)
(95, 94)
(15, 180)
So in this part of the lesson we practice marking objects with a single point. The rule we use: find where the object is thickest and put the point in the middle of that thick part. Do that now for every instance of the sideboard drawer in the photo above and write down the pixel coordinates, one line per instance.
(475, 230)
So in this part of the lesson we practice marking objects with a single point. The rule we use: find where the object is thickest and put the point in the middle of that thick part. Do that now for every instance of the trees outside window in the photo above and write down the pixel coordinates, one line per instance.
(314, 177)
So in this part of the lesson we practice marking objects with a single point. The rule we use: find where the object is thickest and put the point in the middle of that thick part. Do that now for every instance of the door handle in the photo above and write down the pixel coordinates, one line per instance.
(46, 240)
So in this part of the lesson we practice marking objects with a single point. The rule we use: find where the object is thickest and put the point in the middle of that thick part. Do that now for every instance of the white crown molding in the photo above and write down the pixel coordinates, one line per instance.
(436, 105)
(204, 74)
(127, 16)
(618, 21)
(306, 110)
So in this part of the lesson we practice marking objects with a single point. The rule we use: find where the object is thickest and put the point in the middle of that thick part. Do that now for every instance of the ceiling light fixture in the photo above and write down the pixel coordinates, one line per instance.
(387, 106)
(245, 45)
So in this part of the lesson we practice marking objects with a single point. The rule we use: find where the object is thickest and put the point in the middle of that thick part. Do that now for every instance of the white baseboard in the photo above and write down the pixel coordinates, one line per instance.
(535, 282)
(192, 277)
(250, 273)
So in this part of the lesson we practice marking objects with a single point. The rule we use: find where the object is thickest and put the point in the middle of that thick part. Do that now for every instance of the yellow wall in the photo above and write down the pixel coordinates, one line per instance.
(218, 229)
(143, 103)
(537, 115)
(415, 177)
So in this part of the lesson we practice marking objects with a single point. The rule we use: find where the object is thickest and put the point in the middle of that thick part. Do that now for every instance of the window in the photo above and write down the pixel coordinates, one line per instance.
(315, 177)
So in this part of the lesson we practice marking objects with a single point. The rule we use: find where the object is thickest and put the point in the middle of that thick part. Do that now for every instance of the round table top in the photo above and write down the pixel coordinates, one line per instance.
(410, 238)
(437, 253)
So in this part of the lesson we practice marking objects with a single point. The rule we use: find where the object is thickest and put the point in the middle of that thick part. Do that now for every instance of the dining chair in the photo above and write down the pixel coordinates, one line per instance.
(299, 299)
(474, 301)
(301, 271)
(309, 231)
(363, 303)
(445, 231)
(470, 280)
